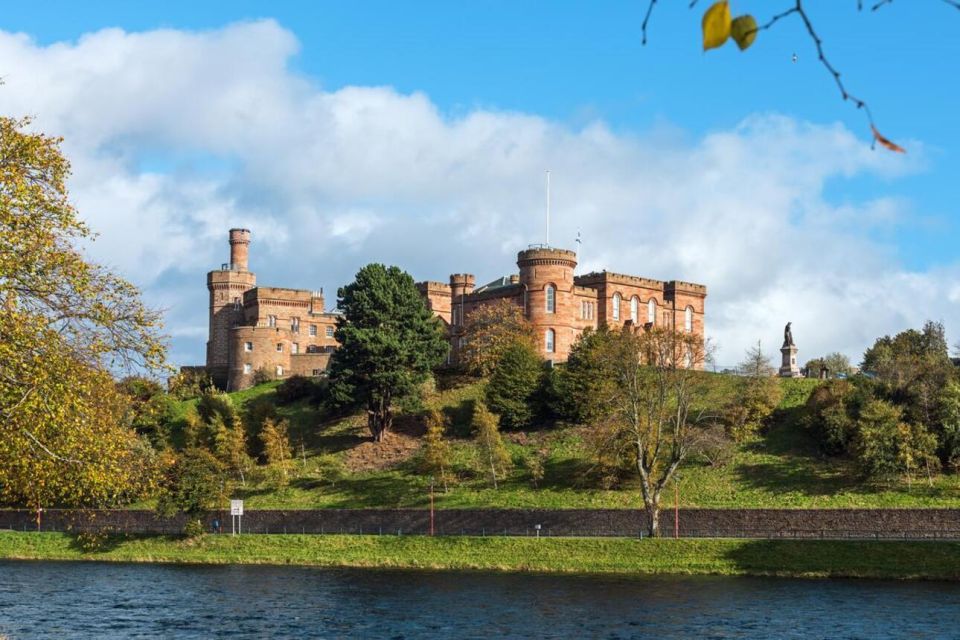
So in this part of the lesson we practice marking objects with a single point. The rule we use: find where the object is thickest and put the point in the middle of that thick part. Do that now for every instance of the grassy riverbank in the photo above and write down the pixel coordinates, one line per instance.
(814, 558)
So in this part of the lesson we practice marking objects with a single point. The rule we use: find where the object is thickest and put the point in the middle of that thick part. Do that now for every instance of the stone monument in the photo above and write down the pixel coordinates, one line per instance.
(788, 366)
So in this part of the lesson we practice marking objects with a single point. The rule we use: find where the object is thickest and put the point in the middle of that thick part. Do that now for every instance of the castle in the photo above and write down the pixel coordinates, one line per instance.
(287, 331)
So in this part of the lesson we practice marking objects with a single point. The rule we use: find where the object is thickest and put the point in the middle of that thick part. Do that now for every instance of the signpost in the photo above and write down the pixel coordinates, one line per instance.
(236, 512)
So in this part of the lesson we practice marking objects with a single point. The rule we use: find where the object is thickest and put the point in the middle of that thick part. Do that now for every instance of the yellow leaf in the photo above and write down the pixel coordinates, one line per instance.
(743, 30)
(716, 25)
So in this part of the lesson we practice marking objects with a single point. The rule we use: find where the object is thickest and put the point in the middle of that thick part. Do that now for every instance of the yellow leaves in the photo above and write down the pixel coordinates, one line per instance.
(716, 25)
(743, 30)
(886, 142)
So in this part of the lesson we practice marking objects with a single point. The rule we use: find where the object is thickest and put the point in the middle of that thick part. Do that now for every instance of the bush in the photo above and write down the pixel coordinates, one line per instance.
(296, 388)
(263, 375)
(189, 383)
(192, 484)
(193, 529)
(512, 388)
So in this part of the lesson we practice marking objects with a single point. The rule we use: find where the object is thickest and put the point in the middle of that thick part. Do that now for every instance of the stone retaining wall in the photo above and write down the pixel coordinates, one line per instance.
(749, 523)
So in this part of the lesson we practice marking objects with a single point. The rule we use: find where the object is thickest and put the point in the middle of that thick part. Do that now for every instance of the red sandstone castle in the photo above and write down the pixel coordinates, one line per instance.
(286, 331)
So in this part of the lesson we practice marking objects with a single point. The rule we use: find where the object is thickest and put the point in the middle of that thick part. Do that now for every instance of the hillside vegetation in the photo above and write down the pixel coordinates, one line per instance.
(337, 466)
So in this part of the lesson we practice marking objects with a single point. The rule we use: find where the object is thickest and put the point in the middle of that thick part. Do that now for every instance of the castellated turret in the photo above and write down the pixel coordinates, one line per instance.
(461, 286)
(546, 274)
(227, 286)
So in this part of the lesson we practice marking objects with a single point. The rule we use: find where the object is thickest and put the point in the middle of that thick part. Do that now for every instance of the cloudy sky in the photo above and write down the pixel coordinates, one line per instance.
(418, 135)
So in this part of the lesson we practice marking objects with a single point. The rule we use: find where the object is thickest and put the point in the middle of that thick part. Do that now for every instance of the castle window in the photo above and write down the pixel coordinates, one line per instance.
(635, 309)
(271, 321)
(550, 340)
(616, 306)
(279, 347)
(551, 299)
(247, 368)
(295, 325)
(456, 316)
(236, 304)
(313, 330)
(652, 311)
(317, 372)
(295, 347)
(329, 332)
(688, 360)
(248, 346)
(279, 370)
(688, 319)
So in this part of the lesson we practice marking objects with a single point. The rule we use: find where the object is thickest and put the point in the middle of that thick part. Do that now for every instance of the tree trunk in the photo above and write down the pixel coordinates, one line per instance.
(653, 512)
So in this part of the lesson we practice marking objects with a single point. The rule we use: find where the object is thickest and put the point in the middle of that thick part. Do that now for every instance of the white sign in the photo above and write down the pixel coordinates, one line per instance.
(236, 507)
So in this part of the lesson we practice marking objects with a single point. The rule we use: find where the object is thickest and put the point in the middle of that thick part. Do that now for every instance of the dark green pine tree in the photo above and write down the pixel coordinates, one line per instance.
(389, 343)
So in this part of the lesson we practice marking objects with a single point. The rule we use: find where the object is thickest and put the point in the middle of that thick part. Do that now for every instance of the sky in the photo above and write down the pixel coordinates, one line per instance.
(417, 134)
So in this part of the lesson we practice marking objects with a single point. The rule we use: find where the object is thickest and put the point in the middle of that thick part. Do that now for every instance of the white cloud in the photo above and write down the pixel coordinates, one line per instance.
(176, 136)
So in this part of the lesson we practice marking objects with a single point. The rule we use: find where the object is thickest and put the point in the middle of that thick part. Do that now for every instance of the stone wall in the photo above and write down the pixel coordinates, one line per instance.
(736, 523)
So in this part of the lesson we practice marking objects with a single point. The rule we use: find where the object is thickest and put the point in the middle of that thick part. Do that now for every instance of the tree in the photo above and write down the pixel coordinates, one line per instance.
(656, 402)
(913, 368)
(66, 324)
(437, 454)
(489, 331)
(192, 484)
(835, 363)
(276, 449)
(757, 395)
(582, 383)
(389, 343)
(949, 435)
(885, 445)
(493, 452)
(150, 409)
(513, 386)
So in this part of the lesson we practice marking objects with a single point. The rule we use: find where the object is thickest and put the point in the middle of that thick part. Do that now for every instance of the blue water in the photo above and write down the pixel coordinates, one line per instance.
(101, 600)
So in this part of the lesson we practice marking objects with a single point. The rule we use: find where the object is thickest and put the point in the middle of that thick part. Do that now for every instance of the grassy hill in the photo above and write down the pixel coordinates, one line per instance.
(338, 467)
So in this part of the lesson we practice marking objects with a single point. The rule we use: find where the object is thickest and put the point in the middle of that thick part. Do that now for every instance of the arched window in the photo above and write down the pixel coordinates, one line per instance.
(688, 320)
(635, 309)
(550, 340)
(551, 298)
(616, 306)
(652, 311)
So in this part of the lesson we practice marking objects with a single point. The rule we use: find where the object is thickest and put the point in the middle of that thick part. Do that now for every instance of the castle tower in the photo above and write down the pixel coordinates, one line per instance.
(547, 277)
(461, 285)
(227, 286)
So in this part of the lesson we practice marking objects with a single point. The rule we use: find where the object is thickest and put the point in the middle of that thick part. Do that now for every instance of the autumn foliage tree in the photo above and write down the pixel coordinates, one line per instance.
(657, 415)
(494, 457)
(66, 325)
(437, 453)
(489, 331)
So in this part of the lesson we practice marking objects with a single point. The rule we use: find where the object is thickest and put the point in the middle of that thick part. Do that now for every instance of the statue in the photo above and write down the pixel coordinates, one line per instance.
(787, 335)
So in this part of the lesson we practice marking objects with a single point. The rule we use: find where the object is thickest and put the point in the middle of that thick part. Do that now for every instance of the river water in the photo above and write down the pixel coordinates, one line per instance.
(105, 600)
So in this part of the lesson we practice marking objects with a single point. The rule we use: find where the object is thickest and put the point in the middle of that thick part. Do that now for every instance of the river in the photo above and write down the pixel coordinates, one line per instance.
(105, 600)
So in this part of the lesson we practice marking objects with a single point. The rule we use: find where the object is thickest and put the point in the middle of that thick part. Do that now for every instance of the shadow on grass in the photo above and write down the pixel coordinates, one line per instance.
(459, 417)
(847, 558)
(387, 491)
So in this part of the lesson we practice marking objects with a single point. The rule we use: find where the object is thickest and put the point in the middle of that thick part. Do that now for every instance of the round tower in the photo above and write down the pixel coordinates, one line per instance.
(227, 286)
(461, 285)
(239, 248)
(547, 277)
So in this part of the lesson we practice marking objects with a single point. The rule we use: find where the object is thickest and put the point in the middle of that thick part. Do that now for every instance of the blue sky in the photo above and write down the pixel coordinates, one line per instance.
(568, 66)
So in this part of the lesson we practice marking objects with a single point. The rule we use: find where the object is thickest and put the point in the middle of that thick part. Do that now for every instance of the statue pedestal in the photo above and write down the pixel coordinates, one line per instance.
(789, 367)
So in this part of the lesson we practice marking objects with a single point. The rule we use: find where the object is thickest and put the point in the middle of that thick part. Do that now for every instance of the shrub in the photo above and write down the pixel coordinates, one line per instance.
(494, 457)
(263, 375)
(296, 388)
(512, 388)
(189, 383)
(193, 529)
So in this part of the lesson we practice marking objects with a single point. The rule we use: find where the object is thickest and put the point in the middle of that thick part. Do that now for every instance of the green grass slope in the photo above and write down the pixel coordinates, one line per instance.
(336, 466)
